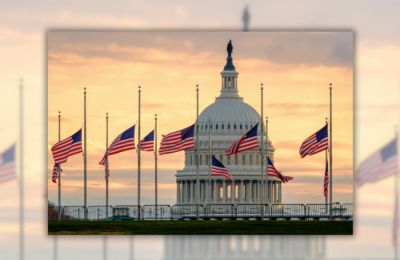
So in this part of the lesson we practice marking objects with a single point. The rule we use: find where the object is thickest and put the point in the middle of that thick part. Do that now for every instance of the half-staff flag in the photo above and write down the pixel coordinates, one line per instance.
(178, 141)
(316, 143)
(123, 142)
(67, 147)
(273, 172)
(246, 142)
(147, 143)
(219, 169)
(326, 180)
(7, 164)
(379, 165)
(56, 172)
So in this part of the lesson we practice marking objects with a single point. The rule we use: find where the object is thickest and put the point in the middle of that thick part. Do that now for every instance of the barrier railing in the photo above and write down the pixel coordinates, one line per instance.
(126, 212)
(187, 211)
(288, 211)
(252, 210)
(220, 211)
(160, 212)
(347, 210)
(208, 211)
(100, 213)
(73, 213)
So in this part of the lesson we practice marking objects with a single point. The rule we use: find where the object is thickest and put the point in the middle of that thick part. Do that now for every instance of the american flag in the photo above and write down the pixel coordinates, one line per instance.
(316, 143)
(218, 169)
(147, 144)
(246, 142)
(326, 179)
(123, 142)
(178, 141)
(379, 165)
(67, 147)
(56, 172)
(275, 173)
(7, 164)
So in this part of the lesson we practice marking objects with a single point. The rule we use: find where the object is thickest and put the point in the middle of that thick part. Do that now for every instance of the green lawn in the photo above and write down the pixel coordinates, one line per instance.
(238, 227)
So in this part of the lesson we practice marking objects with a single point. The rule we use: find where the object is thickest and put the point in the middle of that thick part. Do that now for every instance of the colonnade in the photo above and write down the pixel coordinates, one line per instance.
(244, 191)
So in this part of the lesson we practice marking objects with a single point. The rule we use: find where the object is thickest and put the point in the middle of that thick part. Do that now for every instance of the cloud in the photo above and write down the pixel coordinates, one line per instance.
(301, 48)
(302, 109)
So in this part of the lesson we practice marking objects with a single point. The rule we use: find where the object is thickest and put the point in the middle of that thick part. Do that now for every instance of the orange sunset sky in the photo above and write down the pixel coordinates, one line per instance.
(295, 67)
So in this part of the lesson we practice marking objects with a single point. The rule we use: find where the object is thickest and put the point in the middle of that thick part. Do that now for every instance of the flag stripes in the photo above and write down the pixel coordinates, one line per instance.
(246, 142)
(147, 144)
(379, 165)
(178, 141)
(67, 147)
(316, 143)
(273, 172)
(326, 179)
(7, 165)
(122, 143)
(219, 169)
(56, 172)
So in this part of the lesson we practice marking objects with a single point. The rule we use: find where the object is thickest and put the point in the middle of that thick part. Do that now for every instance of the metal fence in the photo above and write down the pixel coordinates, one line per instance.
(187, 211)
(159, 212)
(288, 211)
(209, 211)
(100, 212)
(248, 211)
(127, 212)
(73, 213)
(219, 211)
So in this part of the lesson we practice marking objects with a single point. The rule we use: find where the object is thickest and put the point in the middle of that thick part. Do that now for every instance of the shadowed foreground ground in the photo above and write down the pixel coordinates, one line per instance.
(201, 227)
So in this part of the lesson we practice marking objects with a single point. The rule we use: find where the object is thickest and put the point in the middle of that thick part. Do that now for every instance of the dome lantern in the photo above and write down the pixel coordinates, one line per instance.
(229, 76)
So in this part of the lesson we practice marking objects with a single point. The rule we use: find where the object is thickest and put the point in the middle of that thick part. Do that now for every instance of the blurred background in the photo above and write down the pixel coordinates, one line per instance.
(23, 26)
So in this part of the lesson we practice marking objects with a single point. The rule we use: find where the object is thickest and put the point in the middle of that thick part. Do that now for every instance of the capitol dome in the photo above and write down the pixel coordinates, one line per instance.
(221, 124)
(228, 115)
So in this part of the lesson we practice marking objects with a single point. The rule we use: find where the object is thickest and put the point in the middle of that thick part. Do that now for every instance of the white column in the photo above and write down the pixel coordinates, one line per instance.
(216, 191)
(239, 190)
(177, 192)
(224, 191)
(280, 192)
(192, 199)
(270, 191)
(183, 192)
(247, 191)
(187, 197)
(189, 184)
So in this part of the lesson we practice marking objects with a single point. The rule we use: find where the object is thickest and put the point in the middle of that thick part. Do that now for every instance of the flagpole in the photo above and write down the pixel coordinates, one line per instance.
(210, 159)
(59, 172)
(330, 149)
(266, 153)
(21, 173)
(138, 149)
(326, 161)
(84, 156)
(396, 251)
(155, 163)
(107, 167)
(197, 151)
(262, 149)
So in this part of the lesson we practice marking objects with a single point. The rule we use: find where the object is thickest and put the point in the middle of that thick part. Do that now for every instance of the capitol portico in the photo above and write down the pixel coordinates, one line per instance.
(228, 118)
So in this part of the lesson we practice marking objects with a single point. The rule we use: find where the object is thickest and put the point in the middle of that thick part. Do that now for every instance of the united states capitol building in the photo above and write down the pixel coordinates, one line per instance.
(230, 119)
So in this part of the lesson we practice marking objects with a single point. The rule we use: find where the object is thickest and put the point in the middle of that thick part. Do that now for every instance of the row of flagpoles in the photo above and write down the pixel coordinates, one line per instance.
(186, 139)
